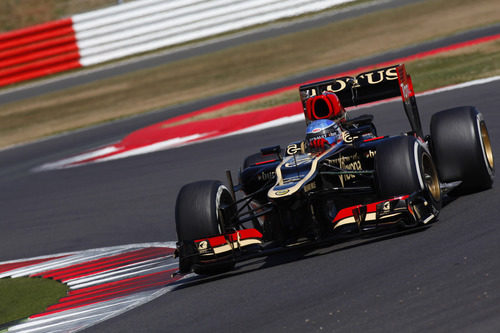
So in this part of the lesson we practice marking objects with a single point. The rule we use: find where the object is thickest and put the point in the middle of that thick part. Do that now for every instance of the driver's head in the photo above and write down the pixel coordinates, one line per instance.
(323, 131)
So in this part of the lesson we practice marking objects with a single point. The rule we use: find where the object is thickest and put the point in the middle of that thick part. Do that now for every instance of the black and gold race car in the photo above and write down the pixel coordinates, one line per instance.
(343, 180)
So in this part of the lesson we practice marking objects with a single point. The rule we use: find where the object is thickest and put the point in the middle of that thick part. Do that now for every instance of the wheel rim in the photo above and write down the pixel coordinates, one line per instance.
(488, 152)
(431, 178)
(223, 198)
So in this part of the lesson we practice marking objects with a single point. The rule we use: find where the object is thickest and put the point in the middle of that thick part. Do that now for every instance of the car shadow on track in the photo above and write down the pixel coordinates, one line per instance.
(280, 256)
(273, 257)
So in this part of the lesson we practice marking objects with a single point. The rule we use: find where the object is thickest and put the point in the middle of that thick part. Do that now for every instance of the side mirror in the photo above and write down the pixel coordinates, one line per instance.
(271, 150)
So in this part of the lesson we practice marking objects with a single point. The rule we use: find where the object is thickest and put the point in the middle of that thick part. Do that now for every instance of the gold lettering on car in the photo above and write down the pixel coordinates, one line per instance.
(369, 76)
(391, 73)
(350, 162)
(379, 76)
(346, 136)
(292, 149)
(356, 165)
(370, 153)
(266, 175)
(342, 159)
(341, 87)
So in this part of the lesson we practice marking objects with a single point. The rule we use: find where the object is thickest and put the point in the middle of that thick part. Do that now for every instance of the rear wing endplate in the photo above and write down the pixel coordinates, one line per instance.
(367, 87)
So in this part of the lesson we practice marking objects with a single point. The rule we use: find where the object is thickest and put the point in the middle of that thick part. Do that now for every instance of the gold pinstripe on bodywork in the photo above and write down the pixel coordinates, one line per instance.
(275, 194)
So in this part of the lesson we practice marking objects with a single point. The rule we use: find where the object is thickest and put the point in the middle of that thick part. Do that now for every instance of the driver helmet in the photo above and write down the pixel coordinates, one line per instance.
(324, 106)
(323, 129)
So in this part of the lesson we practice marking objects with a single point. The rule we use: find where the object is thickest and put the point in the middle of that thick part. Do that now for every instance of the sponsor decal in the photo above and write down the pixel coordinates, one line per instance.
(380, 75)
(228, 242)
(370, 78)
(346, 136)
(356, 165)
(281, 192)
(370, 154)
(405, 91)
(266, 175)
(203, 245)
(351, 162)
(342, 159)
(292, 149)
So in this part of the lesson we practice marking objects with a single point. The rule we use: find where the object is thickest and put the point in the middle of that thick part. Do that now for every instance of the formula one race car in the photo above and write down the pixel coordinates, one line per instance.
(342, 180)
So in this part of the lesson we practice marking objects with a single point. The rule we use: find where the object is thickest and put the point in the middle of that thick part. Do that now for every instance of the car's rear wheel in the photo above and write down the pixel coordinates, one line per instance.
(462, 148)
(198, 215)
(403, 166)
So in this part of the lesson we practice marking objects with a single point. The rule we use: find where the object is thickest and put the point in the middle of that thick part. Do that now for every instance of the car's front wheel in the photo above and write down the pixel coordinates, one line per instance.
(197, 216)
(403, 166)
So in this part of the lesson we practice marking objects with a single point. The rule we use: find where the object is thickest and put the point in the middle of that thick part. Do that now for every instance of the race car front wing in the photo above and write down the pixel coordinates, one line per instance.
(407, 211)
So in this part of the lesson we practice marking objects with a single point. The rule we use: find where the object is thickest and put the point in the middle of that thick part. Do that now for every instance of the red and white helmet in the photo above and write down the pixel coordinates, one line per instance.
(324, 106)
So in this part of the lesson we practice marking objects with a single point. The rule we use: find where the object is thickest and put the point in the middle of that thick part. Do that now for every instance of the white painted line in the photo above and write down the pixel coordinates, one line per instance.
(78, 158)
(171, 143)
(93, 253)
(123, 268)
(92, 282)
(51, 327)
(80, 317)
(461, 85)
(117, 272)
(203, 137)
(58, 263)
(103, 307)
(270, 124)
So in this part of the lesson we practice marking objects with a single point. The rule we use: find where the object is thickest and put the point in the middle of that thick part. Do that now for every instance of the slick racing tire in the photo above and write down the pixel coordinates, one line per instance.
(462, 149)
(403, 166)
(197, 216)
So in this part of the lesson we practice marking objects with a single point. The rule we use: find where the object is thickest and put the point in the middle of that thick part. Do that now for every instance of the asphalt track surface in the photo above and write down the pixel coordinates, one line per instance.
(445, 278)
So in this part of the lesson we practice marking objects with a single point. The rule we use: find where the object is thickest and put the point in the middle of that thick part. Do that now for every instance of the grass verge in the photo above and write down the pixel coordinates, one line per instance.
(434, 72)
(240, 67)
(17, 14)
(22, 297)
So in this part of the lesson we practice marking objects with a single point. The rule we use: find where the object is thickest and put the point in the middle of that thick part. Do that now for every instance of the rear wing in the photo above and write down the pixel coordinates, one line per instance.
(367, 87)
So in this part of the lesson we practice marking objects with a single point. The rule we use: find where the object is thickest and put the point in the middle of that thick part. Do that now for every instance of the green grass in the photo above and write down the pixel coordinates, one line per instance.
(455, 68)
(17, 14)
(22, 297)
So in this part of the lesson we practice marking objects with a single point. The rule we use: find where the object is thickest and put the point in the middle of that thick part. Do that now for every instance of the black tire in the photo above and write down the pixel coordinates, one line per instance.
(197, 216)
(462, 149)
(403, 166)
